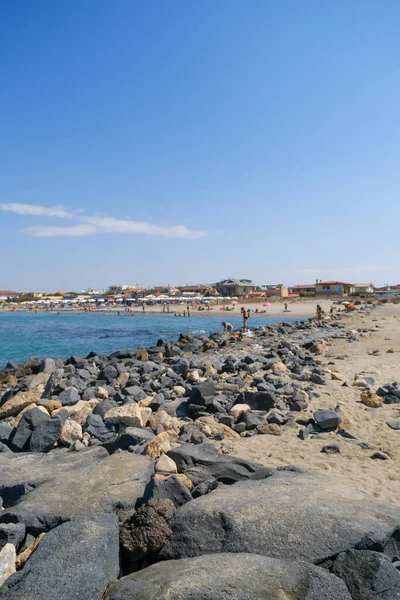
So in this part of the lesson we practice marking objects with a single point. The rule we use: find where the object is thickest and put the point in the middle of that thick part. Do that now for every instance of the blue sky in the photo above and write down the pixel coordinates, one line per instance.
(181, 142)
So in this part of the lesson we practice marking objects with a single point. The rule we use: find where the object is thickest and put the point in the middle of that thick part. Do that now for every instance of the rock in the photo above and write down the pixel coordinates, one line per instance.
(17, 419)
(393, 424)
(201, 462)
(390, 351)
(132, 436)
(327, 419)
(205, 487)
(368, 575)
(51, 405)
(30, 420)
(370, 399)
(257, 400)
(237, 410)
(181, 366)
(277, 418)
(42, 490)
(252, 419)
(5, 432)
(158, 445)
(380, 455)
(174, 487)
(202, 391)
(102, 393)
(135, 392)
(47, 365)
(269, 429)
(147, 530)
(78, 559)
(103, 407)
(53, 383)
(131, 415)
(30, 547)
(162, 421)
(227, 576)
(84, 413)
(71, 432)
(165, 464)
(289, 515)
(7, 563)
(300, 395)
(335, 376)
(13, 407)
(68, 396)
(96, 428)
(331, 449)
(212, 428)
(47, 433)
(35, 380)
(12, 533)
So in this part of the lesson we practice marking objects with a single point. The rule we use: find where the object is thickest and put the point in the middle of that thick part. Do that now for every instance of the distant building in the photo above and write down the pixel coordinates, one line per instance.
(204, 289)
(333, 288)
(270, 291)
(302, 289)
(6, 294)
(363, 288)
(234, 287)
(124, 289)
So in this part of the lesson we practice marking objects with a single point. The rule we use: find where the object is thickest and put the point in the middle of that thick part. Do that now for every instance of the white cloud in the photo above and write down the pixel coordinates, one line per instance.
(111, 225)
(36, 210)
(73, 231)
(93, 225)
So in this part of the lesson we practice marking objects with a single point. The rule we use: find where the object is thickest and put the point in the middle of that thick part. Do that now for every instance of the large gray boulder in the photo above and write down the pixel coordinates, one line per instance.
(43, 490)
(201, 461)
(288, 515)
(75, 561)
(368, 575)
(230, 577)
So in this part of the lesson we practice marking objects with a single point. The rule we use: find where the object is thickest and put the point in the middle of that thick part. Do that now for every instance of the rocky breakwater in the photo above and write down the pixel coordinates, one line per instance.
(112, 486)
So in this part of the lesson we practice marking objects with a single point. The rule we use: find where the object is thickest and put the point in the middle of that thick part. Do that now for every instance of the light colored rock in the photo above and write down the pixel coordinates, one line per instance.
(193, 376)
(390, 351)
(122, 379)
(162, 421)
(370, 399)
(279, 366)
(158, 445)
(179, 390)
(7, 562)
(131, 415)
(23, 557)
(336, 376)
(300, 395)
(102, 393)
(145, 402)
(8, 381)
(165, 464)
(86, 439)
(71, 432)
(81, 416)
(210, 371)
(39, 379)
(72, 409)
(361, 383)
(210, 428)
(238, 410)
(14, 406)
(51, 405)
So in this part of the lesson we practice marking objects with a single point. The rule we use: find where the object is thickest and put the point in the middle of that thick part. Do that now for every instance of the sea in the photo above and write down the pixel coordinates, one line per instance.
(66, 334)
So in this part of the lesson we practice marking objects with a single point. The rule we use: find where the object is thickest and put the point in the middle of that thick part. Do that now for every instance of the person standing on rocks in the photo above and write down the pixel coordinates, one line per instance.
(228, 327)
(319, 313)
(245, 316)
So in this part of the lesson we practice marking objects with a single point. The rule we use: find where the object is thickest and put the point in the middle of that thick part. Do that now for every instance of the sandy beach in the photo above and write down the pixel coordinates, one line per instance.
(354, 466)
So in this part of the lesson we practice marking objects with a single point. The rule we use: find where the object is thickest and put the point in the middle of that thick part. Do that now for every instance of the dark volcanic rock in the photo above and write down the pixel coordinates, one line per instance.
(327, 419)
(68, 396)
(47, 433)
(42, 490)
(368, 575)
(257, 400)
(201, 461)
(147, 530)
(172, 489)
(12, 533)
(201, 392)
(230, 577)
(75, 561)
(289, 515)
(30, 420)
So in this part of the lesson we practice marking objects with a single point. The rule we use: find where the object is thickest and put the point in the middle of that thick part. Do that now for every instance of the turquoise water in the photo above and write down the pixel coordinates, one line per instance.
(60, 336)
